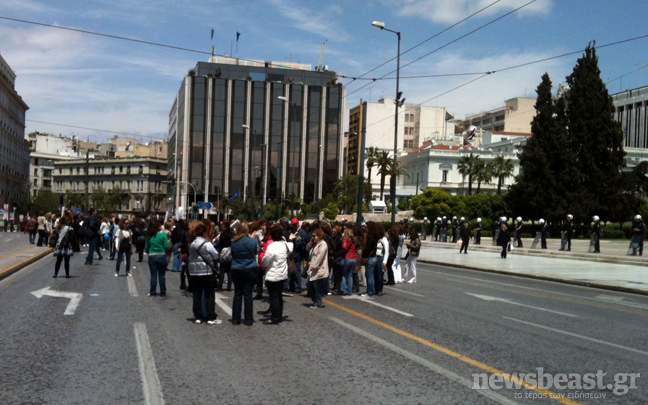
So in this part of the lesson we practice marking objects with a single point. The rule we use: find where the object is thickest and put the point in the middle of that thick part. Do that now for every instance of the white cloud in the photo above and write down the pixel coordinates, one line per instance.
(320, 23)
(451, 11)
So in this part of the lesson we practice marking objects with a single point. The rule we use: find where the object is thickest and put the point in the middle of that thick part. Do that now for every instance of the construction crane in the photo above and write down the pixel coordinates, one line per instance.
(319, 67)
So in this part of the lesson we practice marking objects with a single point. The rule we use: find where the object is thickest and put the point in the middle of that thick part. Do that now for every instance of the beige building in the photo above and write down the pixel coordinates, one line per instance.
(141, 178)
(515, 116)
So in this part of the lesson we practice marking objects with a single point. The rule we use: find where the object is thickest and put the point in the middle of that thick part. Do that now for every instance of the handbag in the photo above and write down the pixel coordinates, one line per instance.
(292, 267)
(226, 255)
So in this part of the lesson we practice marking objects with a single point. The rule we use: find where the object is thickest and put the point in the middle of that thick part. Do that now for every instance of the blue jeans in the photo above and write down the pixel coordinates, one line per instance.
(244, 280)
(120, 257)
(369, 274)
(346, 286)
(379, 278)
(296, 279)
(317, 289)
(177, 257)
(157, 266)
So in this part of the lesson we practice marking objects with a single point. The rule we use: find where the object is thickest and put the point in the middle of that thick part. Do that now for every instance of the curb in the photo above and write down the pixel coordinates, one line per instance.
(12, 269)
(558, 255)
(544, 278)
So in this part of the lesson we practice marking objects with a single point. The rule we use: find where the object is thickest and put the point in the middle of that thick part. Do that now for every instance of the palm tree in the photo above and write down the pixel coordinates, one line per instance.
(467, 167)
(483, 173)
(383, 162)
(502, 168)
(370, 157)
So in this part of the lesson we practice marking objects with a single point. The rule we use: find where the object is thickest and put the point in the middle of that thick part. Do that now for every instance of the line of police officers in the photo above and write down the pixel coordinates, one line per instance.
(460, 229)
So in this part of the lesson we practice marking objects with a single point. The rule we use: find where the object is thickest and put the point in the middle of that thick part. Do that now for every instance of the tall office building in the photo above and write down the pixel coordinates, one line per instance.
(255, 129)
(632, 112)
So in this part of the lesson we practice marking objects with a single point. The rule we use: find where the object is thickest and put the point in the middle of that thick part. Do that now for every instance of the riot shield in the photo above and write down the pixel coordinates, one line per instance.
(444, 235)
(563, 242)
(592, 245)
(534, 245)
(497, 231)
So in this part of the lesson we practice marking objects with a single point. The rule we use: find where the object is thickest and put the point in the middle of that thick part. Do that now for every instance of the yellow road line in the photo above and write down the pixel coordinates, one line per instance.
(17, 266)
(538, 295)
(15, 253)
(457, 356)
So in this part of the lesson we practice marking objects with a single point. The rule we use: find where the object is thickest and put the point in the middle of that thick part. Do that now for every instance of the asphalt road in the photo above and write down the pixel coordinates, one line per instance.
(419, 343)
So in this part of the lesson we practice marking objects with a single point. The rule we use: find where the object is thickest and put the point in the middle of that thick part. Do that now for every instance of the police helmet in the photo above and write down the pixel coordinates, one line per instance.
(462, 219)
(519, 219)
(638, 218)
(570, 216)
(541, 221)
(596, 218)
(454, 217)
(478, 219)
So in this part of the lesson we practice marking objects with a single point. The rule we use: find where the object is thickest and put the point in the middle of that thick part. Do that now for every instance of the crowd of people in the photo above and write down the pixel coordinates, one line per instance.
(287, 258)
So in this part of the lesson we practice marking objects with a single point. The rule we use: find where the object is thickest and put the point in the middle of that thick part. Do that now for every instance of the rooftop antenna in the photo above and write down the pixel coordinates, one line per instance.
(319, 67)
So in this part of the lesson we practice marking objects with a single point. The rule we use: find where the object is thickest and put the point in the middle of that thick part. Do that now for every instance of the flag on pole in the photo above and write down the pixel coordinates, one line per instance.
(471, 135)
(212, 34)
(235, 196)
(238, 34)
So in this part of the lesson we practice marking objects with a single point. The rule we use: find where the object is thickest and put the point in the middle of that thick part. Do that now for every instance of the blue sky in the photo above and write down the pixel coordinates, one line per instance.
(125, 87)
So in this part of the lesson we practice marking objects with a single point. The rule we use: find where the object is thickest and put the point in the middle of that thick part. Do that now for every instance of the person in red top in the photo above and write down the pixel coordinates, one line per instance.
(348, 262)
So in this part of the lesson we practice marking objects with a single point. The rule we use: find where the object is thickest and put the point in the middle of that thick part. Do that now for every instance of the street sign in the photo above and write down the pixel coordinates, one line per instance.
(76, 211)
(202, 205)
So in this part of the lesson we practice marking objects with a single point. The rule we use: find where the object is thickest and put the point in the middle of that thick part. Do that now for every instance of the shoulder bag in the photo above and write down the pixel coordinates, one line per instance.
(292, 267)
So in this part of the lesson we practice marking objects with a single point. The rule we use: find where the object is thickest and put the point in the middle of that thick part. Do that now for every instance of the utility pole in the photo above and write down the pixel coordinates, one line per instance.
(87, 180)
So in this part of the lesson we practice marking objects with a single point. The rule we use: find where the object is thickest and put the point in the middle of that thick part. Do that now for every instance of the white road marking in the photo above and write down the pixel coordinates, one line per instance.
(148, 372)
(403, 291)
(223, 305)
(373, 302)
(426, 363)
(132, 288)
(578, 336)
(75, 298)
(572, 296)
(488, 298)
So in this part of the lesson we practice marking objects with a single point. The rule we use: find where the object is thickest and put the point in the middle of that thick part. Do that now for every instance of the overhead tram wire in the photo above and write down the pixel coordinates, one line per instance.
(451, 42)
(511, 68)
(426, 40)
(119, 37)
(150, 137)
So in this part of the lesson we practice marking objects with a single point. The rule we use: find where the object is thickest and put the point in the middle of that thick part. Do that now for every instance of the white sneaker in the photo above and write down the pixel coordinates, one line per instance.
(215, 322)
(198, 321)
(116, 274)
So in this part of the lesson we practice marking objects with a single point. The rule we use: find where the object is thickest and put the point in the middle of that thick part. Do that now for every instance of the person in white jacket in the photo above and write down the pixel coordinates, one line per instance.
(275, 261)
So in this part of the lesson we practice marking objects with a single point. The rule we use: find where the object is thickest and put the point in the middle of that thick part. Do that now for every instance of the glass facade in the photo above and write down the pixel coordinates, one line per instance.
(274, 147)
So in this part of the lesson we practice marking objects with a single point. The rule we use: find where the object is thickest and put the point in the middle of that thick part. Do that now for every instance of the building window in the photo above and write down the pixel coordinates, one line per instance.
(444, 176)
(121, 169)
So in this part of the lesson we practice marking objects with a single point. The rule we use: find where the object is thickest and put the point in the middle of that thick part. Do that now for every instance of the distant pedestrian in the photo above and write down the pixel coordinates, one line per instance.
(155, 246)
(140, 239)
(93, 237)
(124, 246)
(455, 229)
(203, 273)
(348, 262)
(503, 239)
(638, 236)
(113, 229)
(63, 249)
(544, 234)
(41, 222)
(275, 261)
(224, 241)
(414, 246)
(464, 232)
(244, 268)
(566, 233)
(32, 229)
(318, 269)
(596, 234)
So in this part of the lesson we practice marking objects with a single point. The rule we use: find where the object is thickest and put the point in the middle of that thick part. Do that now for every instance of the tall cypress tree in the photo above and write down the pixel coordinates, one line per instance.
(542, 187)
(595, 140)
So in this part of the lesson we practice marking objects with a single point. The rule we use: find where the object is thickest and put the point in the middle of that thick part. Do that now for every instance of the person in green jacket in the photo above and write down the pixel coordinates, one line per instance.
(156, 246)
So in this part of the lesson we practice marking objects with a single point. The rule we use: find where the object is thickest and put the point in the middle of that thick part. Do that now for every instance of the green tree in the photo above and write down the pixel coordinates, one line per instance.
(74, 200)
(45, 201)
(544, 184)
(370, 160)
(432, 203)
(483, 174)
(468, 167)
(331, 211)
(596, 140)
(383, 162)
(345, 193)
(502, 168)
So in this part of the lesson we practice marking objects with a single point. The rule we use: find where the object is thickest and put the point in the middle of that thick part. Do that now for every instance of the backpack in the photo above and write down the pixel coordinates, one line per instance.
(53, 238)
(125, 244)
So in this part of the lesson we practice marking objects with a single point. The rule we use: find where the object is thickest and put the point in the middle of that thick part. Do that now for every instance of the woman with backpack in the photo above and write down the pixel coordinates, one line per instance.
(203, 273)
(63, 249)
(124, 247)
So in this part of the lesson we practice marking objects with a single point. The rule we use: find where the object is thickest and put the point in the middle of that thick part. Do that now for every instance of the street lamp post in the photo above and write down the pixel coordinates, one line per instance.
(185, 182)
(392, 183)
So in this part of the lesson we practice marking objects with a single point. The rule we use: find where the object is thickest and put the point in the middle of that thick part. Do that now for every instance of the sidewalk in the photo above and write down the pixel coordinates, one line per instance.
(611, 270)
(12, 262)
